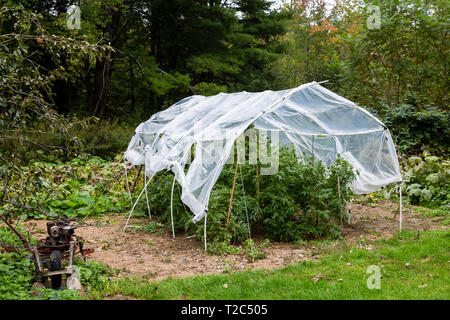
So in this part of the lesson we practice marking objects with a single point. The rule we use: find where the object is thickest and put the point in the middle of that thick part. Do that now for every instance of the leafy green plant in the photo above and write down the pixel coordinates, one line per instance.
(253, 251)
(427, 181)
(221, 248)
(299, 202)
(15, 270)
(93, 275)
(83, 187)
(50, 294)
(303, 198)
(416, 130)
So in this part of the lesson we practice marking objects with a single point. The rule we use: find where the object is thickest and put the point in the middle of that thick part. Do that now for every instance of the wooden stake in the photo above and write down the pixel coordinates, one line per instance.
(257, 179)
(232, 191)
(340, 202)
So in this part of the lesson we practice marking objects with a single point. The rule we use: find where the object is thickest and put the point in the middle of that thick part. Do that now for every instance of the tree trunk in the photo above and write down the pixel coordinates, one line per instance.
(103, 67)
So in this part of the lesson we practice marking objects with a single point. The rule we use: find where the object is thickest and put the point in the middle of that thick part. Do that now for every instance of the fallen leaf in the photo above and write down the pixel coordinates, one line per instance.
(423, 285)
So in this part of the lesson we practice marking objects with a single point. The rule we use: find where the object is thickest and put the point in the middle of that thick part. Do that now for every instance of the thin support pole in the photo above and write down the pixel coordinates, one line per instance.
(245, 202)
(146, 196)
(340, 202)
(232, 192)
(204, 231)
(132, 209)
(171, 208)
(140, 195)
(400, 204)
(257, 179)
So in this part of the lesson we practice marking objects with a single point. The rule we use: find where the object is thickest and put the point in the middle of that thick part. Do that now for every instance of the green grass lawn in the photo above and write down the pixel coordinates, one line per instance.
(411, 268)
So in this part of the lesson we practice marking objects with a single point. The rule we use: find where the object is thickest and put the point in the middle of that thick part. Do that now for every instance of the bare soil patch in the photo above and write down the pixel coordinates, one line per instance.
(157, 256)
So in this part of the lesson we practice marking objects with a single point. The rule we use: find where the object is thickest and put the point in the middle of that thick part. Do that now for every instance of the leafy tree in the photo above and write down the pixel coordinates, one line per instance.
(406, 60)
(27, 115)
(164, 50)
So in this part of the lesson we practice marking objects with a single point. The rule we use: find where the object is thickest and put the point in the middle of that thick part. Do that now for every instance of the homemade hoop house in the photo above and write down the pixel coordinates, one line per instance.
(311, 118)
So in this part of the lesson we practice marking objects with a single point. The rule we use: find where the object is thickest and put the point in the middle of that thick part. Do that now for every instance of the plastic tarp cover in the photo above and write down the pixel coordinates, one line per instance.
(310, 118)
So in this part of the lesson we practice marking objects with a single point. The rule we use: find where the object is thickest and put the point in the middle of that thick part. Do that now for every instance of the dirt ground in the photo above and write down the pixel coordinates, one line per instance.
(157, 256)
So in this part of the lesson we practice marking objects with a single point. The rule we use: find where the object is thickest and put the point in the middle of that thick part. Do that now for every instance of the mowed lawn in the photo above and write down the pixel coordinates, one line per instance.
(410, 268)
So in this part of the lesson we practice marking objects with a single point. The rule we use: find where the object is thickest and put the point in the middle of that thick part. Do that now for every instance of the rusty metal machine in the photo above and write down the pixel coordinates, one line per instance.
(52, 256)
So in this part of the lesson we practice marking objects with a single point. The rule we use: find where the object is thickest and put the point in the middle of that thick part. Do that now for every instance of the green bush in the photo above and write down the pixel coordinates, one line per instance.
(427, 181)
(15, 270)
(415, 130)
(105, 138)
(299, 202)
(93, 275)
(83, 187)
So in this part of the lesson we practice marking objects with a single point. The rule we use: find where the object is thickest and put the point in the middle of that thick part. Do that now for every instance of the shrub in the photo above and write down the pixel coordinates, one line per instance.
(299, 202)
(105, 138)
(93, 275)
(82, 187)
(415, 130)
(427, 181)
(15, 270)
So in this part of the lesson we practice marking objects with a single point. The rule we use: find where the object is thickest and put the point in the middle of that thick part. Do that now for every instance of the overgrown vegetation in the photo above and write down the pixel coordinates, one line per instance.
(15, 270)
(302, 197)
(82, 187)
(425, 182)
(418, 130)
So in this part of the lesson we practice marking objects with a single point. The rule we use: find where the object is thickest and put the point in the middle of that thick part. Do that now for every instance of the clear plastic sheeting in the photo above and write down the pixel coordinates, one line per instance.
(311, 118)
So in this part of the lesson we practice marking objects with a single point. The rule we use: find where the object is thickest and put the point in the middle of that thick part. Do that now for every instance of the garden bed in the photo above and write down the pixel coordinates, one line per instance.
(156, 255)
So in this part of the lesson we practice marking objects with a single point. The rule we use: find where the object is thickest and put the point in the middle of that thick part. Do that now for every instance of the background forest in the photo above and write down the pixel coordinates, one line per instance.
(155, 52)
